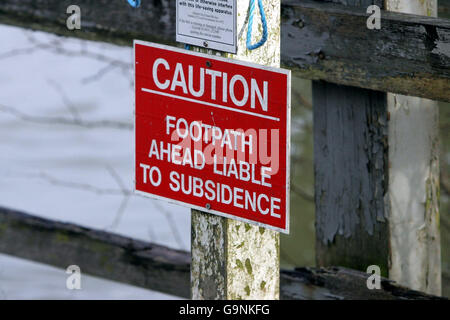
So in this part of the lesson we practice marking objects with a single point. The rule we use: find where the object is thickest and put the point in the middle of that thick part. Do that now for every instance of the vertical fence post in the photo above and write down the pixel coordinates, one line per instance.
(376, 180)
(232, 259)
(414, 178)
(350, 172)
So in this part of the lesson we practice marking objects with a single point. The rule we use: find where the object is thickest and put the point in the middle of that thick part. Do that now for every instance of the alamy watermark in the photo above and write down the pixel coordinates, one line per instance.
(374, 280)
(374, 20)
(73, 22)
(73, 281)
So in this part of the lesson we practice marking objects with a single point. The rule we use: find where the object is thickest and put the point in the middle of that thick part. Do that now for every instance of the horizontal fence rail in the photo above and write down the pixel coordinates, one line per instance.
(159, 268)
(409, 55)
(98, 253)
(319, 40)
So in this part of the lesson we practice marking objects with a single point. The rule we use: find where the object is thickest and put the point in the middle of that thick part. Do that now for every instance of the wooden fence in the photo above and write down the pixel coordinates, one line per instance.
(151, 266)
(347, 56)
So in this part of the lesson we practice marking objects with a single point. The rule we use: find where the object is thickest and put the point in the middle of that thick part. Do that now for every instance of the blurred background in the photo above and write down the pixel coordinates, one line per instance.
(66, 150)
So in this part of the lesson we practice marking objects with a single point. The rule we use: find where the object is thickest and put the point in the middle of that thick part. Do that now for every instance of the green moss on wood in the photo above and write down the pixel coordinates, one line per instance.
(239, 264)
(262, 286)
(248, 266)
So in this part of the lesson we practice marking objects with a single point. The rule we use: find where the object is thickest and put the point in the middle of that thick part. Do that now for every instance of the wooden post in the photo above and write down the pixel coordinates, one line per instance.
(414, 179)
(376, 180)
(232, 259)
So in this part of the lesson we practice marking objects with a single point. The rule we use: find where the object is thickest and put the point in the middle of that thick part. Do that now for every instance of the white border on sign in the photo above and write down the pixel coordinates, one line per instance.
(214, 45)
(288, 153)
(218, 58)
(288, 134)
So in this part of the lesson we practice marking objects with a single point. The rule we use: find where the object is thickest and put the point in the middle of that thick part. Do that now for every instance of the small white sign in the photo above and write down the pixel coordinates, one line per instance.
(207, 23)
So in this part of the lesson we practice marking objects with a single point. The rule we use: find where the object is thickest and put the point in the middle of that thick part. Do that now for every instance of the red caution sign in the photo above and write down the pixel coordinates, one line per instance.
(213, 134)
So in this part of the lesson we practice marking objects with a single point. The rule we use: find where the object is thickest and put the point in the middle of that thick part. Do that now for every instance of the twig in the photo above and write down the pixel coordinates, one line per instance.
(301, 193)
(22, 51)
(122, 191)
(172, 224)
(55, 46)
(67, 102)
(74, 185)
(287, 257)
(99, 74)
(151, 234)
(125, 199)
(89, 124)
(302, 100)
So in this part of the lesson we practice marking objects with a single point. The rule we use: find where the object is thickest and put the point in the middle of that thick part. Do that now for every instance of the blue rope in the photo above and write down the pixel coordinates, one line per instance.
(263, 40)
(134, 3)
(250, 46)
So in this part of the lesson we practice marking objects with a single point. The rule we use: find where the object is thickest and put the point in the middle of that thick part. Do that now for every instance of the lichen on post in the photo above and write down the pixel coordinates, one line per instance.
(233, 259)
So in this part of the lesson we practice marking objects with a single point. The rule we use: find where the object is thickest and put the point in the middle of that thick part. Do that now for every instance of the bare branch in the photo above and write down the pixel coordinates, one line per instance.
(99, 74)
(23, 51)
(80, 186)
(89, 124)
(286, 257)
(301, 193)
(122, 191)
(172, 224)
(298, 96)
(117, 178)
(67, 102)
(56, 46)
(151, 234)
(125, 199)
(119, 213)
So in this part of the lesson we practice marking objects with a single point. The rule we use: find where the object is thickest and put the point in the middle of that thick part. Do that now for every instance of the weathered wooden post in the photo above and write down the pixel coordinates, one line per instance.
(232, 259)
(414, 179)
(376, 176)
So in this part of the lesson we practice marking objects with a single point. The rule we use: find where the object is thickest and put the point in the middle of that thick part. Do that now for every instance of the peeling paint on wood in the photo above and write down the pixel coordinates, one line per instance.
(337, 283)
(414, 176)
(350, 159)
(414, 193)
(351, 175)
(377, 180)
(332, 45)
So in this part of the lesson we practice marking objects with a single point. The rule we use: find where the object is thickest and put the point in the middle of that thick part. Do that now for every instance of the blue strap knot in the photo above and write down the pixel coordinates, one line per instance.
(263, 40)
(134, 3)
